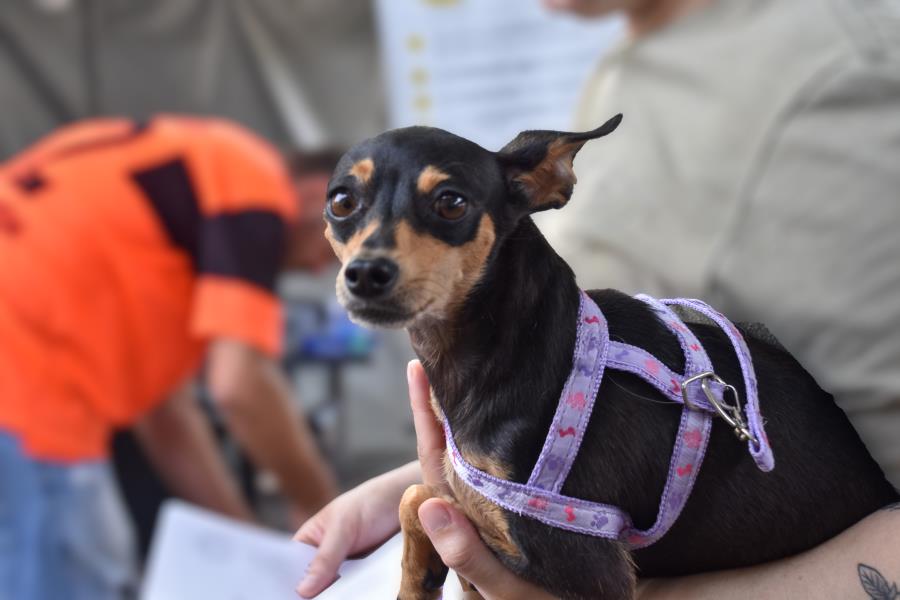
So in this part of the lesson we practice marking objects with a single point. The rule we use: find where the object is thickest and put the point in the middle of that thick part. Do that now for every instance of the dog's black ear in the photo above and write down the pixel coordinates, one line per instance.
(538, 164)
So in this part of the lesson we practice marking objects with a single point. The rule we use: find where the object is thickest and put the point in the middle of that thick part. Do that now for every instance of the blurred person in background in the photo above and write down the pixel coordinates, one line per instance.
(130, 253)
(757, 168)
(759, 172)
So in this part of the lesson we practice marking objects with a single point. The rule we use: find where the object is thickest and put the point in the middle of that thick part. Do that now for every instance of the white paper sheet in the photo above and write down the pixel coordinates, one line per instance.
(487, 69)
(197, 554)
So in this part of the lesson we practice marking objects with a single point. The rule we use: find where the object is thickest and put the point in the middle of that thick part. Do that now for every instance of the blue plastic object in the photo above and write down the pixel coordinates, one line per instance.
(331, 336)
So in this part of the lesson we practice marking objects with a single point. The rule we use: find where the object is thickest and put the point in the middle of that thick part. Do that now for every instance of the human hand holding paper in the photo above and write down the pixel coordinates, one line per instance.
(356, 521)
(200, 554)
(367, 515)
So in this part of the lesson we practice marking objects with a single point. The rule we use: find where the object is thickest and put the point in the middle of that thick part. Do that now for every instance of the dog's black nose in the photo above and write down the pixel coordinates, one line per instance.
(370, 278)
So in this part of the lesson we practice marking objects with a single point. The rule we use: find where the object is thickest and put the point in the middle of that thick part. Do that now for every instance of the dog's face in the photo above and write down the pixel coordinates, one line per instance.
(415, 214)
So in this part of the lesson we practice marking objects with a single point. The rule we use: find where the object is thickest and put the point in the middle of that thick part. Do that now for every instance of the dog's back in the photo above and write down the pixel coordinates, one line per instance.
(824, 480)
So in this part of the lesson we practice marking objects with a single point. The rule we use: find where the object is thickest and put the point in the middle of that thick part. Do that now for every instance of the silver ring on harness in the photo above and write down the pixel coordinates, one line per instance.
(730, 413)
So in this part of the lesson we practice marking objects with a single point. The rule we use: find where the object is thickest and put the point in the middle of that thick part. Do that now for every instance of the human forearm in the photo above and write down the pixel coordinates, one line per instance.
(394, 482)
(271, 435)
(408, 474)
(866, 554)
(179, 443)
(259, 414)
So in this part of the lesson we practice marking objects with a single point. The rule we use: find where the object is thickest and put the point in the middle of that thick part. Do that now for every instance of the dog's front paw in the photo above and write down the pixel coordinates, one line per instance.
(429, 588)
(418, 594)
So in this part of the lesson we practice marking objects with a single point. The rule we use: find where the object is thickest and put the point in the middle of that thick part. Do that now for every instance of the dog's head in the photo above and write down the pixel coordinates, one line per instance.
(415, 214)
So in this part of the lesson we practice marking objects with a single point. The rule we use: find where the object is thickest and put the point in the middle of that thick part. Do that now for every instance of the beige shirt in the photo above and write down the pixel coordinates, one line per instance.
(758, 167)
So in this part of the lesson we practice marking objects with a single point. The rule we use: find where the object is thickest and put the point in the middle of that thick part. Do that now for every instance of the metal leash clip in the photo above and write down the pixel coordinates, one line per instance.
(731, 413)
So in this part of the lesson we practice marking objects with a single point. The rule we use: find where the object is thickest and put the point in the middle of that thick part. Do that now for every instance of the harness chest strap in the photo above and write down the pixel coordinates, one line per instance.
(698, 389)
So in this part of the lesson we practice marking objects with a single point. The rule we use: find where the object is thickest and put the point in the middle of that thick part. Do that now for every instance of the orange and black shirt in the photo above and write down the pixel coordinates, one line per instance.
(124, 249)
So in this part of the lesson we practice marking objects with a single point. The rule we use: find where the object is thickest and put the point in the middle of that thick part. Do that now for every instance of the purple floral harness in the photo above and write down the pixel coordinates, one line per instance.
(700, 391)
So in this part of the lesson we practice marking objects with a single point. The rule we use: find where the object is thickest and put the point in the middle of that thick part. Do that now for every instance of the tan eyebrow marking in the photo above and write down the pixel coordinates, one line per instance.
(429, 178)
(363, 170)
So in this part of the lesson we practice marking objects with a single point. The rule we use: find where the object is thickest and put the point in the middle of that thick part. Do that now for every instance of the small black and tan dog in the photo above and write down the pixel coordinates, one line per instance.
(435, 235)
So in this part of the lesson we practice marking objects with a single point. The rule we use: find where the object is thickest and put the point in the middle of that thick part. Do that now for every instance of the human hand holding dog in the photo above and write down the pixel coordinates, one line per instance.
(451, 533)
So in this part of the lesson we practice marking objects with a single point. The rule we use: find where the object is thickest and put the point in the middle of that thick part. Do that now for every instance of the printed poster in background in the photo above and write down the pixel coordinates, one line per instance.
(487, 69)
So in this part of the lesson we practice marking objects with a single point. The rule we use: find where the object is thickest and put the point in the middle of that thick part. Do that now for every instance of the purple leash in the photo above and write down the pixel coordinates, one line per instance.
(701, 392)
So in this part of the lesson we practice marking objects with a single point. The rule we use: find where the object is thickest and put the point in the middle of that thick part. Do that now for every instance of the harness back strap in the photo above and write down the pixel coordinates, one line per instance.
(700, 391)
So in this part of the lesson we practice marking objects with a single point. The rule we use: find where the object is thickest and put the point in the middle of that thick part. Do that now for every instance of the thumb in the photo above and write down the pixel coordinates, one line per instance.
(461, 549)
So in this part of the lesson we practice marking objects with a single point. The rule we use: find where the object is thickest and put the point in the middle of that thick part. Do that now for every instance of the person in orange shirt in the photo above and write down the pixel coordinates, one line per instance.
(129, 254)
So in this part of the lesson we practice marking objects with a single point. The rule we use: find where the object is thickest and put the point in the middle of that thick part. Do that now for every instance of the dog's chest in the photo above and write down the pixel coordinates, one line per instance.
(490, 520)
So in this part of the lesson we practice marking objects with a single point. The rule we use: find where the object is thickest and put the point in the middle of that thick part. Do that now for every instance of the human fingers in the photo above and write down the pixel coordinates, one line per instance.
(312, 530)
(461, 549)
(429, 433)
(334, 542)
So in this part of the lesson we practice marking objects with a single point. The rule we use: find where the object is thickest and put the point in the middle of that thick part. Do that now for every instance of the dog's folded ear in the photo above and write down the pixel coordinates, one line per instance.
(538, 164)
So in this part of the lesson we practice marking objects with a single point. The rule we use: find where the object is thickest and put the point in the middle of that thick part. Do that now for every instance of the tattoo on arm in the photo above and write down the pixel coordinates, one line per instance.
(875, 585)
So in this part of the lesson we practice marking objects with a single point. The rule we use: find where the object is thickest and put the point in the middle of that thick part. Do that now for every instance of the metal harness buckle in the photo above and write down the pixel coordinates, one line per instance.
(731, 413)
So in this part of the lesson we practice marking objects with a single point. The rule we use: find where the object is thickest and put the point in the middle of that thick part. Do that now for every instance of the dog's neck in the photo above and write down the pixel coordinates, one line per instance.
(507, 350)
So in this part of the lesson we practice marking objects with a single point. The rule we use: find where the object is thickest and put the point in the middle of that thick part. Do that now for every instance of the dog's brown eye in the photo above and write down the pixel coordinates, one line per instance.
(451, 206)
(341, 205)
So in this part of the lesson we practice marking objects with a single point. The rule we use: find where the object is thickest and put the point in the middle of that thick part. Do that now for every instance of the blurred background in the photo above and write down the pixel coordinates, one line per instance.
(308, 76)
(725, 102)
